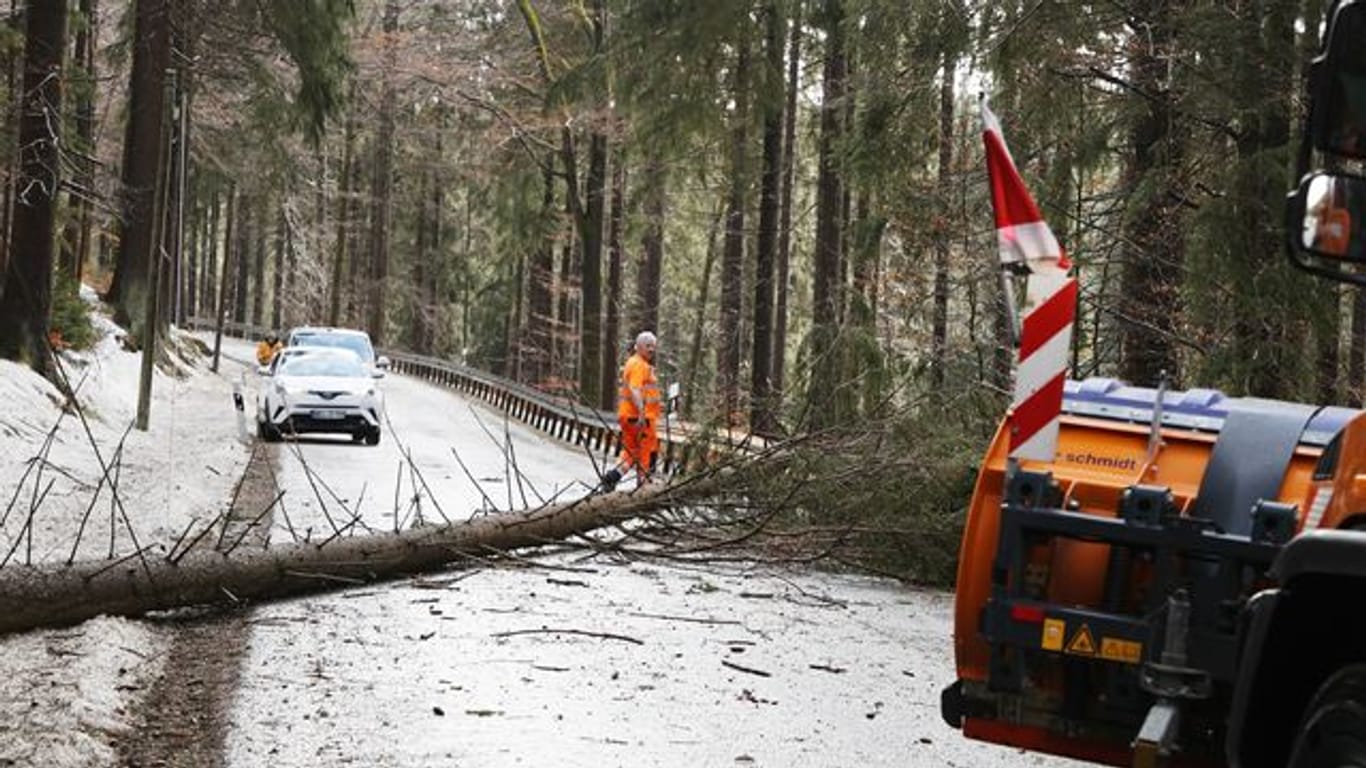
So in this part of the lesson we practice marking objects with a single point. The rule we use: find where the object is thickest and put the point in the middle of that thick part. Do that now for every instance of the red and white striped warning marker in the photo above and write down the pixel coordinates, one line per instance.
(1050, 301)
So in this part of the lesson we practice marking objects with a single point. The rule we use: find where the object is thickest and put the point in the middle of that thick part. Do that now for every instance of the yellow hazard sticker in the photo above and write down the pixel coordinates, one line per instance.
(1082, 644)
(1126, 651)
(1053, 632)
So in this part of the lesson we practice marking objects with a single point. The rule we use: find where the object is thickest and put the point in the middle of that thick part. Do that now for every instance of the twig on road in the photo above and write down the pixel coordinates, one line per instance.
(746, 670)
(579, 632)
(508, 450)
(487, 501)
(254, 523)
(689, 619)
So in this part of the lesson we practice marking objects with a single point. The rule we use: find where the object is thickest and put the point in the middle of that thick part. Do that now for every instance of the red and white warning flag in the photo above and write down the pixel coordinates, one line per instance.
(1028, 245)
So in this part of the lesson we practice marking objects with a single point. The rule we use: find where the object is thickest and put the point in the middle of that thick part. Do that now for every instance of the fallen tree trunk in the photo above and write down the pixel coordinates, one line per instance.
(57, 595)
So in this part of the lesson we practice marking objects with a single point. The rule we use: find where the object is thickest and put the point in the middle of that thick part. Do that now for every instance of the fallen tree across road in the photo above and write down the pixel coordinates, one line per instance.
(57, 595)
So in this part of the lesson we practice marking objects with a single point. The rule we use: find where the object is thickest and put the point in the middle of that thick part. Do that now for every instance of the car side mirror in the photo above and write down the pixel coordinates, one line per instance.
(1337, 122)
(383, 363)
(377, 374)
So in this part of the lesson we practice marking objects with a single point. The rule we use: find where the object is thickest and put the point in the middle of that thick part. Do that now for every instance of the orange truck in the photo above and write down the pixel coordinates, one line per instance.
(1179, 585)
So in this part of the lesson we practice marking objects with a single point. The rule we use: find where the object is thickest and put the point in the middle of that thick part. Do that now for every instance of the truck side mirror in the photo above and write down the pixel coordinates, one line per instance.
(1337, 122)
(1327, 213)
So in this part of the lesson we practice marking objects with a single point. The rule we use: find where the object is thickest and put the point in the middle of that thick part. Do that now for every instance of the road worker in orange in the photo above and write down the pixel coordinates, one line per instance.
(638, 412)
(268, 348)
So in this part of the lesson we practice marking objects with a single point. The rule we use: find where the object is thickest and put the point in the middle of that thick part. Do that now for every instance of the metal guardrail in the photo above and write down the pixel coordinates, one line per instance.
(558, 417)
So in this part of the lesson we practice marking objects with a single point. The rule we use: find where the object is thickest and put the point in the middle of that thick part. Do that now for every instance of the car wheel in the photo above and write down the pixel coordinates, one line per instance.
(1334, 731)
(372, 437)
(267, 431)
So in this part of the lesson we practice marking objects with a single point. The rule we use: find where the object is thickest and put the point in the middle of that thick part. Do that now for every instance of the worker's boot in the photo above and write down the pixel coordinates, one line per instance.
(610, 478)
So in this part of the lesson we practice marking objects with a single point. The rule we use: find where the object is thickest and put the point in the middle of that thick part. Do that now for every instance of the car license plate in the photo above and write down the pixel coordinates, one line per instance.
(328, 415)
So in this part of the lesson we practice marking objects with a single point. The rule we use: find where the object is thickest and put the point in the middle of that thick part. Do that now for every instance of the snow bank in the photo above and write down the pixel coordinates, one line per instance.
(180, 470)
(67, 695)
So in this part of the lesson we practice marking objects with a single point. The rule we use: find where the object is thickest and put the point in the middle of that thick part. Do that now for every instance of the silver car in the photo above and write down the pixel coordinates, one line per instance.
(309, 390)
(341, 338)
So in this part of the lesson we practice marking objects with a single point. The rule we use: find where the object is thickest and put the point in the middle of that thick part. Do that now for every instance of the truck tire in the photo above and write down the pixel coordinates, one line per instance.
(1333, 733)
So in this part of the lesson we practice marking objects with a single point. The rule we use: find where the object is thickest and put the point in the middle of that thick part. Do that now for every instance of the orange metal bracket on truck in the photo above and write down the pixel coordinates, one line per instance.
(1096, 460)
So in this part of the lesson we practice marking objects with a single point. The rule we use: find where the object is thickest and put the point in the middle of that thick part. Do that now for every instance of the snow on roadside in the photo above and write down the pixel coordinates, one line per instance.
(67, 695)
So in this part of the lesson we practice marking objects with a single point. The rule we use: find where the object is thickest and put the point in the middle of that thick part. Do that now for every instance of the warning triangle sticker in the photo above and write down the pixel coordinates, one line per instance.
(1082, 644)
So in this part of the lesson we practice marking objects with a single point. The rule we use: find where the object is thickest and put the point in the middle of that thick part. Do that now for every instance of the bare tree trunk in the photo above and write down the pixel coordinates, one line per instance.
(76, 238)
(1154, 256)
(141, 161)
(566, 287)
(229, 246)
(344, 207)
(466, 255)
(355, 297)
(1327, 338)
(541, 314)
(794, 55)
(650, 271)
(258, 250)
(512, 365)
(291, 311)
(763, 418)
(192, 258)
(28, 275)
(825, 368)
(241, 251)
(209, 283)
(733, 255)
(14, 74)
(699, 324)
(383, 181)
(418, 319)
(1356, 355)
(612, 329)
(939, 344)
(590, 330)
(436, 237)
(278, 288)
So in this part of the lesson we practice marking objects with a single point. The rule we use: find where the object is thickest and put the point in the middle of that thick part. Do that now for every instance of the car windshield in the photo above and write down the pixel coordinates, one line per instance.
(322, 364)
(352, 341)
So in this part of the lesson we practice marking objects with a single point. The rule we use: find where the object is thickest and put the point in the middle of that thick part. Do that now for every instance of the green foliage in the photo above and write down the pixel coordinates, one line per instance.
(891, 495)
(314, 34)
(70, 320)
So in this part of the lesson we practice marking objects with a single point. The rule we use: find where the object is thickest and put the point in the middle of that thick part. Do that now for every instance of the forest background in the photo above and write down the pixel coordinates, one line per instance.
(791, 193)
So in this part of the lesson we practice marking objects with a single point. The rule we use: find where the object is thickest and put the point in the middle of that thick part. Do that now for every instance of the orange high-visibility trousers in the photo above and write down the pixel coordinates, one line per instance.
(638, 446)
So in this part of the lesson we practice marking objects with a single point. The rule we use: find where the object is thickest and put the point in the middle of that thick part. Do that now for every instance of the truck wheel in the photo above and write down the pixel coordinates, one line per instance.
(1333, 734)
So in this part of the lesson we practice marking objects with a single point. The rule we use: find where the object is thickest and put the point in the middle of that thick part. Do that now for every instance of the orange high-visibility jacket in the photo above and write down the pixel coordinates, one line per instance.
(638, 374)
(265, 351)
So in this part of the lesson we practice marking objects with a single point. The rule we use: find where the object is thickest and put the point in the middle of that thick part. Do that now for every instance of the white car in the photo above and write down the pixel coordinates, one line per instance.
(343, 338)
(309, 390)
